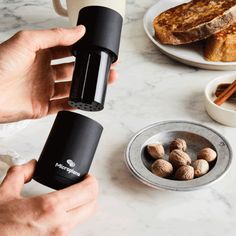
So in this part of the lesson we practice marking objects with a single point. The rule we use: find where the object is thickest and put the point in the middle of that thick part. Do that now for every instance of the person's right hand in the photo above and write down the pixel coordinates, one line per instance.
(31, 87)
(52, 214)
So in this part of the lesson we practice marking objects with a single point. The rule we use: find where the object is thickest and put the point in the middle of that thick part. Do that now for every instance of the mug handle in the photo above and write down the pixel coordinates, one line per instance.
(60, 10)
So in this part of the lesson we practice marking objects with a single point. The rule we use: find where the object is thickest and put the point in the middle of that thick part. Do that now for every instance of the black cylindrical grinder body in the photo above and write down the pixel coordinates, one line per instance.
(69, 151)
(95, 53)
(103, 30)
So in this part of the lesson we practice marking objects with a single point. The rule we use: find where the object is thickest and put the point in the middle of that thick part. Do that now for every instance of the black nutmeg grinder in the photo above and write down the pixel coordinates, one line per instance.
(95, 53)
(73, 140)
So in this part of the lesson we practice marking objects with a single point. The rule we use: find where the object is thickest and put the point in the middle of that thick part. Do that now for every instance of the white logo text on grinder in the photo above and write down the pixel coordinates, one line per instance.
(67, 169)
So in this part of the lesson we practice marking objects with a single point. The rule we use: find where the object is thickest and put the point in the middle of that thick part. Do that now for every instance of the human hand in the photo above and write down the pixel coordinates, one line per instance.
(30, 86)
(51, 214)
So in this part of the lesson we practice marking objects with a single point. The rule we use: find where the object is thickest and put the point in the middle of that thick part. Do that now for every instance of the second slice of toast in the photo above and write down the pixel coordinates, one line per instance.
(222, 46)
(194, 21)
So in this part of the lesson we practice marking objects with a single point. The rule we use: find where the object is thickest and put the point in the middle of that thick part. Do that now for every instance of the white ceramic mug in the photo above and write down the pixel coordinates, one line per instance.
(74, 6)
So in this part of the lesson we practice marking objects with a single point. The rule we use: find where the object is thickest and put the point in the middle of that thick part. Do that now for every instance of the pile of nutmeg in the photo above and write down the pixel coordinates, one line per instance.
(180, 165)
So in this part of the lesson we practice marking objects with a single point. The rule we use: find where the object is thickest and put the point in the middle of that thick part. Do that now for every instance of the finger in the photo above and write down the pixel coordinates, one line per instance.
(16, 177)
(81, 214)
(60, 52)
(113, 76)
(115, 63)
(77, 195)
(59, 105)
(61, 90)
(63, 71)
(44, 39)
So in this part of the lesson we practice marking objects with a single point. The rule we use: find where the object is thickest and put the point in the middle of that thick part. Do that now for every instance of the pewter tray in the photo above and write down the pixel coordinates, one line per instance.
(197, 137)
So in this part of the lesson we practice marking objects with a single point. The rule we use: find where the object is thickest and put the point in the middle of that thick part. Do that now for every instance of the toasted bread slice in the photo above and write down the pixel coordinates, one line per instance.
(194, 21)
(222, 46)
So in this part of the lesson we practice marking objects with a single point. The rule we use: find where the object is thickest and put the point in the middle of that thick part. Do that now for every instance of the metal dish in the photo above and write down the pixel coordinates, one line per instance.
(197, 137)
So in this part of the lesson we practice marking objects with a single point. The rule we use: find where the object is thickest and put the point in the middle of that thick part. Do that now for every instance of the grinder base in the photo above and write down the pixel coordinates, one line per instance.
(56, 182)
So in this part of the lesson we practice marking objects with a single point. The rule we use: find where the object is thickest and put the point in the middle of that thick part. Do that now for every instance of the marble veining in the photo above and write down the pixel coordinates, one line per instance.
(151, 88)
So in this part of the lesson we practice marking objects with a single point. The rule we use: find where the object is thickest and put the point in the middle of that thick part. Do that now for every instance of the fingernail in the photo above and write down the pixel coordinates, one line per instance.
(79, 28)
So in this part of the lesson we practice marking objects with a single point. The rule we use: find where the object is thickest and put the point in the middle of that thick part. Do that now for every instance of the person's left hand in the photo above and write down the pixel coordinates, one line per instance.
(51, 214)
(30, 86)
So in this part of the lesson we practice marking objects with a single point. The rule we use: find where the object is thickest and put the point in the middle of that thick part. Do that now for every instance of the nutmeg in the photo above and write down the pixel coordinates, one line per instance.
(179, 158)
(185, 173)
(156, 150)
(178, 144)
(162, 168)
(201, 167)
(207, 154)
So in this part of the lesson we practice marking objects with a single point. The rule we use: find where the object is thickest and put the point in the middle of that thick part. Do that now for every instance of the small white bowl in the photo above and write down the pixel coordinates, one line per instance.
(226, 113)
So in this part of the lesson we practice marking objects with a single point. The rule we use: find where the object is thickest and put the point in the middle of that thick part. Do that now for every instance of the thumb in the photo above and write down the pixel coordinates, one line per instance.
(42, 39)
(16, 177)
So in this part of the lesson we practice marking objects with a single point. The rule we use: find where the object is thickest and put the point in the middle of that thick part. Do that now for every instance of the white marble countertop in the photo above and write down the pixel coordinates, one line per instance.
(151, 88)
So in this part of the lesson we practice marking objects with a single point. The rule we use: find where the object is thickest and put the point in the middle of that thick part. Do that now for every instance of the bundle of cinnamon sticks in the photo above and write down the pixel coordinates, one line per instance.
(225, 92)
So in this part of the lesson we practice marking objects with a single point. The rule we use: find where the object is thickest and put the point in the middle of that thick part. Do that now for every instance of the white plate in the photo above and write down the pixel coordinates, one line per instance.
(188, 54)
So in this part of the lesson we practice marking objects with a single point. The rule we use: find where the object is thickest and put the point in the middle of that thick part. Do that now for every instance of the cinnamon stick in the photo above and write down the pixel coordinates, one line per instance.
(221, 88)
(226, 94)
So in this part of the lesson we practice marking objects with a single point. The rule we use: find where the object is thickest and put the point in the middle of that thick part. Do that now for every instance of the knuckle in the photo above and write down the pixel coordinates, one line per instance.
(48, 205)
(14, 169)
(59, 231)
(23, 34)
(59, 31)
(61, 35)
(68, 70)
